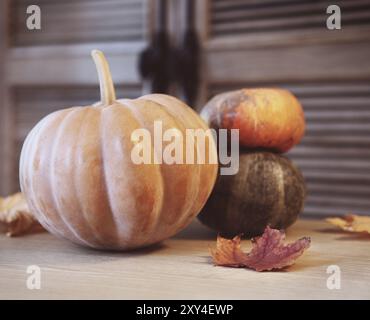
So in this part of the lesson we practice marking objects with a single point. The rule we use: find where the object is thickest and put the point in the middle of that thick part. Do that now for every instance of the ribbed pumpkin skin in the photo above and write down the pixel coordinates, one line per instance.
(267, 190)
(78, 178)
(267, 118)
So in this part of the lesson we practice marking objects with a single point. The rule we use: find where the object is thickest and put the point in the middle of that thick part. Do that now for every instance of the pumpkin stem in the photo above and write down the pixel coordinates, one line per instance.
(107, 93)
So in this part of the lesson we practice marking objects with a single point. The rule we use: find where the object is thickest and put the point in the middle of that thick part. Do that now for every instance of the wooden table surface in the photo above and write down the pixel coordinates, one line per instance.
(180, 268)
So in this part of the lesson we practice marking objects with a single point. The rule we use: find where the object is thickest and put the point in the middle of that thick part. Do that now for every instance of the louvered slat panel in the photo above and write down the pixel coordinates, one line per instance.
(33, 103)
(334, 155)
(251, 16)
(79, 21)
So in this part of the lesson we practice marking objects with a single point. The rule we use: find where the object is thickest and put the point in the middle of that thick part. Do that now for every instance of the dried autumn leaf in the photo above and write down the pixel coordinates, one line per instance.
(352, 223)
(268, 251)
(16, 216)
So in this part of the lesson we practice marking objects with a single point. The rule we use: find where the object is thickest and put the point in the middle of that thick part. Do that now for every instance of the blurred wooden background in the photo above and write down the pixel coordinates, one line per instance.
(244, 43)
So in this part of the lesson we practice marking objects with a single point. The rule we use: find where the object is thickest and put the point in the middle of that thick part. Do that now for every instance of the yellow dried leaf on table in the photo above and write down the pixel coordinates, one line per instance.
(352, 223)
(16, 216)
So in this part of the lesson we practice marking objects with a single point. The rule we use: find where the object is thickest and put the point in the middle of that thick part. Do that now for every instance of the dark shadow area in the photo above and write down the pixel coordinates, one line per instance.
(197, 231)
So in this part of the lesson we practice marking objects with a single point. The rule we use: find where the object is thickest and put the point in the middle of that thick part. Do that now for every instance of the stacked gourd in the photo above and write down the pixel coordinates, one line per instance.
(268, 189)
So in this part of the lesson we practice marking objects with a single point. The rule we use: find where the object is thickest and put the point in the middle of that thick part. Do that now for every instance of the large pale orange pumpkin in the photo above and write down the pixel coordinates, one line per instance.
(79, 179)
(268, 118)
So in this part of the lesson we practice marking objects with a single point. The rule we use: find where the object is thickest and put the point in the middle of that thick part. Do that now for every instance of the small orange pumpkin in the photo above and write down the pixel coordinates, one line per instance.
(267, 118)
(81, 183)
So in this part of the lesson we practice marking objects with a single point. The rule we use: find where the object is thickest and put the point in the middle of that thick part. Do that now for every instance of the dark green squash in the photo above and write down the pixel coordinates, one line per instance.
(267, 190)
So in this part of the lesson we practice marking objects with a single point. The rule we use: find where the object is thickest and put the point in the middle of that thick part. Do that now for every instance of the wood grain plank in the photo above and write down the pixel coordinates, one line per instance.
(72, 67)
(301, 63)
(2, 91)
(80, 21)
(180, 268)
(6, 119)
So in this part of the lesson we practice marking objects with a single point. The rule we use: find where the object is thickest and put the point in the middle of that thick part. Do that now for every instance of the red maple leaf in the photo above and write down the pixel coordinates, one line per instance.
(268, 251)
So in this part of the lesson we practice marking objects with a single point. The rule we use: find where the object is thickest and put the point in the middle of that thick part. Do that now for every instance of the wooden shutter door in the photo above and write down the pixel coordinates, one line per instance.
(286, 43)
(51, 68)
